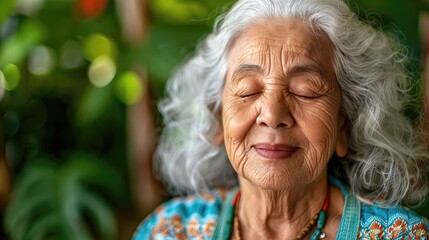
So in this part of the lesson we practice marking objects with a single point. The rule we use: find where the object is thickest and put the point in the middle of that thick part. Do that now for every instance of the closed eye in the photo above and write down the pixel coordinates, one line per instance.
(306, 97)
(247, 95)
(246, 92)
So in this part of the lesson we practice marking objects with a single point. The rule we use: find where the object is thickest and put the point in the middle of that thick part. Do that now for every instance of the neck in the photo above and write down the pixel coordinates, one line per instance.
(279, 214)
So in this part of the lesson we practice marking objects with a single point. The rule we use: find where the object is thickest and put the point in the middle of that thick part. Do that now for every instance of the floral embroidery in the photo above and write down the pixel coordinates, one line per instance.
(208, 197)
(193, 228)
(181, 236)
(176, 222)
(375, 231)
(419, 231)
(159, 209)
(195, 218)
(398, 228)
(222, 193)
(209, 228)
(199, 237)
(161, 228)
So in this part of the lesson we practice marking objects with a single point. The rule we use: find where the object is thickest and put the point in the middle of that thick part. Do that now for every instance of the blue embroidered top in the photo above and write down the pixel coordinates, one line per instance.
(210, 216)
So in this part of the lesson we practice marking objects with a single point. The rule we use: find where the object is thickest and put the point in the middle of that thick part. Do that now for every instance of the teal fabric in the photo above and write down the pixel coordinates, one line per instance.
(226, 219)
(349, 226)
(210, 216)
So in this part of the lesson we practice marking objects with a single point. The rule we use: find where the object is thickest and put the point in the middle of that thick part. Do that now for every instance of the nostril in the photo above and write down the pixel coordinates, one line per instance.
(271, 124)
(264, 124)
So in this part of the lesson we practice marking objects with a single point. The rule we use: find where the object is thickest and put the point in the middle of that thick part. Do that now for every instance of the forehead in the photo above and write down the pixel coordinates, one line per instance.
(287, 37)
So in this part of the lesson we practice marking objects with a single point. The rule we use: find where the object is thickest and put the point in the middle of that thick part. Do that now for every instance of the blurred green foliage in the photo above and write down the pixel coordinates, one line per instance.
(58, 103)
(53, 108)
(6, 9)
(53, 201)
(397, 16)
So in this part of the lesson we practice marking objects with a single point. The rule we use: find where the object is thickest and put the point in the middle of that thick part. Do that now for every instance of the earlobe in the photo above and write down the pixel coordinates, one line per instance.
(342, 138)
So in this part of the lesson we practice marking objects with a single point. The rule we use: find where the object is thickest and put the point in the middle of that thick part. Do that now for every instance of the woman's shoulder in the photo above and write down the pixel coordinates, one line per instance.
(189, 216)
(392, 223)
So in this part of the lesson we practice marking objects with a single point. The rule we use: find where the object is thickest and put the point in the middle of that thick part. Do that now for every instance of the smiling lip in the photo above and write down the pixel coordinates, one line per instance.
(274, 151)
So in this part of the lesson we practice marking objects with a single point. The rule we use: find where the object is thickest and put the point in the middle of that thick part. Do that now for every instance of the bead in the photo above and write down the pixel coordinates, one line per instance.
(317, 233)
(320, 217)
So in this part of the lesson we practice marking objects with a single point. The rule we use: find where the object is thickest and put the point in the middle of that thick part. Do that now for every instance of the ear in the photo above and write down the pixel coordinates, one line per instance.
(342, 137)
(218, 137)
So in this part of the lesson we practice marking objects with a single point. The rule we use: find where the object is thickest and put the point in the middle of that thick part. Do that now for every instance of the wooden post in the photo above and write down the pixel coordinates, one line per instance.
(134, 19)
(142, 135)
(5, 177)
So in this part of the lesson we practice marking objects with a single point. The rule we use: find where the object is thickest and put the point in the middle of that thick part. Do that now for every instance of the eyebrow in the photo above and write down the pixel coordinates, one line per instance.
(308, 69)
(245, 68)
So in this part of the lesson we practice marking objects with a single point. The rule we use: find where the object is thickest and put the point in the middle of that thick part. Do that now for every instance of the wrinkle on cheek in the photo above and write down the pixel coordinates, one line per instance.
(311, 164)
(321, 148)
(238, 154)
(227, 116)
(235, 145)
(232, 121)
(243, 161)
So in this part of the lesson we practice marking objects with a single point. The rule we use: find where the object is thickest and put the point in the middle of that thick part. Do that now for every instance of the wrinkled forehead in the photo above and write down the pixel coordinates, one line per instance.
(282, 37)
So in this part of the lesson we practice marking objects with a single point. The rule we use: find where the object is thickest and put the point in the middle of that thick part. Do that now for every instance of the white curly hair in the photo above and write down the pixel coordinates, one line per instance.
(385, 157)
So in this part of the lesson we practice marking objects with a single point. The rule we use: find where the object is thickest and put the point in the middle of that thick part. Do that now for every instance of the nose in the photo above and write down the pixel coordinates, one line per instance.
(274, 112)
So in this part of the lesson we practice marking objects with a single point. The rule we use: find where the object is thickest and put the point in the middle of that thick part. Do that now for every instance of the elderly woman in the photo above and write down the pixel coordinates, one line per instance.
(288, 124)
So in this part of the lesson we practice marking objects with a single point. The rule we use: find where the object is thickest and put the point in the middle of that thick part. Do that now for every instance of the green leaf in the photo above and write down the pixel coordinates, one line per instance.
(95, 102)
(43, 227)
(91, 171)
(64, 202)
(19, 216)
(103, 218)
(12, 76)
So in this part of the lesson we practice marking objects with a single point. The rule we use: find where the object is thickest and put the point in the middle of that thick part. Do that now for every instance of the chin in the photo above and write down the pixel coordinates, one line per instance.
(272, 180)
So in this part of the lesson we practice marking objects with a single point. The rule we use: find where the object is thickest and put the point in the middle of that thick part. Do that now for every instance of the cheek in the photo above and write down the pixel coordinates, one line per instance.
(237, 118)
(319, 125)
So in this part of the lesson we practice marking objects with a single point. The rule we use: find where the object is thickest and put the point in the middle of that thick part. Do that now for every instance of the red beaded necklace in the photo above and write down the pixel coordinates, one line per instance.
(319, 218)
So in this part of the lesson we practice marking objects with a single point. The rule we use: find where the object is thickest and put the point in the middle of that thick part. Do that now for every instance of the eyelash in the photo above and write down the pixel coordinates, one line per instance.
(295, 95)
(305, 97)
(247, 95)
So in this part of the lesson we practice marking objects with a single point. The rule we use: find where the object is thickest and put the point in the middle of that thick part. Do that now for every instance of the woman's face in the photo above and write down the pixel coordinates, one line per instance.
(281, 104)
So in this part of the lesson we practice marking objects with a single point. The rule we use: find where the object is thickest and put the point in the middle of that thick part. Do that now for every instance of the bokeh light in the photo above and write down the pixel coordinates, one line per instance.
(41, 61)
(97, 44)
(2, 82)
(16, 47)
(8, 27)
(102, 71)
(91, 8)
(71, 55)
(129, 88)
(28, 7)
(180, 11)
(12, 76)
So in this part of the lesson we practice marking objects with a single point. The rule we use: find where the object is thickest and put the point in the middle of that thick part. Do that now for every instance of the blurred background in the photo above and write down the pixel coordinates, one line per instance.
(79, 82)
